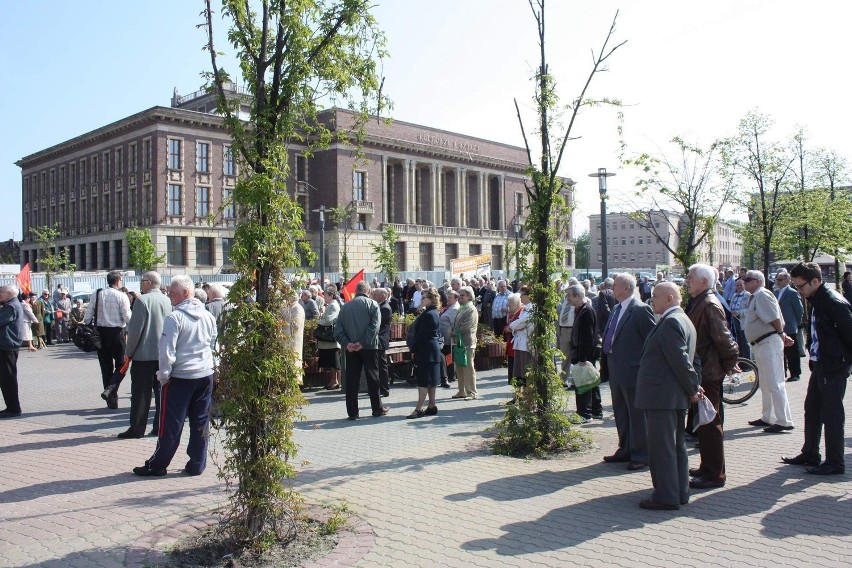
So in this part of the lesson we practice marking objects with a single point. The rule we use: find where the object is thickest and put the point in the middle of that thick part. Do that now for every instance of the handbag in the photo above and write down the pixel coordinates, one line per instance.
(586, 377)
(324, 333)
(87, 338)
(460, 353)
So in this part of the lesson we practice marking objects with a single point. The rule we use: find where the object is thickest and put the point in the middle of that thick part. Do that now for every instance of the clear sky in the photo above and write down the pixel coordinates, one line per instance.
(689, 68)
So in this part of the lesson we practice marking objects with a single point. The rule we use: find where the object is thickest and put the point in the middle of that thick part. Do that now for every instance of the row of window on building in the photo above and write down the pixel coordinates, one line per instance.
(202, 157)
(615, 241)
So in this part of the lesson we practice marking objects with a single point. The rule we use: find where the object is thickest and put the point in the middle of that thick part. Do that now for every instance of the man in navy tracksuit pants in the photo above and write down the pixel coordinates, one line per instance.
(186, 376)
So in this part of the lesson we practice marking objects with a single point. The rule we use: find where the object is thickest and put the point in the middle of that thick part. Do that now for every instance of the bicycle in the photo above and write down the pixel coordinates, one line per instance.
(741, 386)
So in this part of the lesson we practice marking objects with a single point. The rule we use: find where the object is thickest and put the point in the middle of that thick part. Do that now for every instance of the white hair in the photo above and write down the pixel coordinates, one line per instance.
(217, 291)
(576, 291)
(705, 272)
(183, 283)
(514, 299)
(626, 278)
(9, 289)
(201, 295)
(757, 275)
(153, 278)
(362, 287)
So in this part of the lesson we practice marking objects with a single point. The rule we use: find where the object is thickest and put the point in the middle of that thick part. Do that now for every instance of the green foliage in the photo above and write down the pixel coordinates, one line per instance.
(142, 254)
(341, 216)
(339, 518)
(581, 248)
(539, 422)
(292, 56)
(385, 251)
(50, 261)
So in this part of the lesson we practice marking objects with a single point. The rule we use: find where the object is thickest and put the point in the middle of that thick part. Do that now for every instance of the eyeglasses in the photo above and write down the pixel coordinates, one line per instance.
(800, 286)
(749, 279)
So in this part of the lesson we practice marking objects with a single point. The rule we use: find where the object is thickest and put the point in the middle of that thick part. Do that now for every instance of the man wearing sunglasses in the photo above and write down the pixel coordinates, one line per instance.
(830, 354)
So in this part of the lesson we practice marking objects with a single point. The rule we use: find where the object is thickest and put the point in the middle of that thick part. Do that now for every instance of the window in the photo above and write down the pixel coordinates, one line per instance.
(93, 211)
(82, 173)
(175, 200)
(640, 240)
(204, 251)
(302, 200)
(360, 186)
(230, 169)
(519, 204)
(146, 154)
(202, 162)
(72, 174)
(131, 158)
(119, 206)
(624, 241)
(474, 250)
(425, 256)
(119, 161)
(451, 252)
(95, 171)
(174, 154)
(106, 166)
(131, 203)
(399, 253)
(361, 222)
(227, 245)
(106, 207)
(119, 256)
(146, 200)
(227, 204)
(202, 201)
(631, 225)
(301, 169)
(176, 250)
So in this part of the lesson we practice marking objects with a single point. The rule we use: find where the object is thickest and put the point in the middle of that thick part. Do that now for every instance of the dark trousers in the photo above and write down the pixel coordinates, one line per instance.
(792, 360)
(667, 457)
(9, 380)
(111, 355)
(451, 368)
(711, 436)
(182, 398)
(630, 423)
(589, 403)
(824, 408)
(143, 382)
(368, 360)
(498, 325)
(48, 333)
(384, 375)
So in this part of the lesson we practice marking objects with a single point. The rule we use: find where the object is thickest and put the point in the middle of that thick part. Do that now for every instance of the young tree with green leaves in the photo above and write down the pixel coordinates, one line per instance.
(385, 251)
(686, 182)
(293, 56)
(141, 252)
(538, 423)
(582, 246)
(51, 261)
(341, 216)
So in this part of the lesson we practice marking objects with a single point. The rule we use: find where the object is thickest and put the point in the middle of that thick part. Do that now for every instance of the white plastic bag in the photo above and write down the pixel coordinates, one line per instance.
(706, 413)
(586, 377)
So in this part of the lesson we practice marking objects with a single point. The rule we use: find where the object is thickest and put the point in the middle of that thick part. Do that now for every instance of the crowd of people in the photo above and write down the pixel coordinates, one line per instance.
(660, 359)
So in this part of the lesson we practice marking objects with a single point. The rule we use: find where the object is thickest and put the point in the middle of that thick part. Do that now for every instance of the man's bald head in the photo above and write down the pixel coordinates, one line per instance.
(665, 295)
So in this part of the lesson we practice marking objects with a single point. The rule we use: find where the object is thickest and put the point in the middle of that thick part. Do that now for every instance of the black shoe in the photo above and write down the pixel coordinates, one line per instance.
(417, 414)
(384, 393)
(793, 379)
(381, 412)
(636, 466)
(758, 422)
(153, 434)
(615, 458)
(352, 417)
(9, 413)
(826, 469)
(703, 483)
(777, 429)
(654, 506)
(695, 472)
(431, 410)
(112, 403)
(129, 434)
(191, 471)
(107, 394)
(446, 385)
(146, 471)
(597, 416)
(801, 459)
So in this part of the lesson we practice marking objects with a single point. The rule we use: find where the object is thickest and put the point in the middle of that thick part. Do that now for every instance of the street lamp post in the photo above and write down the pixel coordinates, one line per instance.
(602, 174)
(322, 211)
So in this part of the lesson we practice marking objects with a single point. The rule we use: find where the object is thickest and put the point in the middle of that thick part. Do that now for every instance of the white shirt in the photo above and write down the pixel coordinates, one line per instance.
(624, 306)
(113, 308)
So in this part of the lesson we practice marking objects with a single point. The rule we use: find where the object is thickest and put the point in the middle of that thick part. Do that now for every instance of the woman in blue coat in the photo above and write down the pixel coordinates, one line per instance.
(425, 343)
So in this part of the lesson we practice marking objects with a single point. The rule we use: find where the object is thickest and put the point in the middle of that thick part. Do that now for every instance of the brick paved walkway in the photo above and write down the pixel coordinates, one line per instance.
(429, 488)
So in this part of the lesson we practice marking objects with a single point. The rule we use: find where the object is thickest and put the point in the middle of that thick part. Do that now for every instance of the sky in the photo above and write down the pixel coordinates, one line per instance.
(691, 69)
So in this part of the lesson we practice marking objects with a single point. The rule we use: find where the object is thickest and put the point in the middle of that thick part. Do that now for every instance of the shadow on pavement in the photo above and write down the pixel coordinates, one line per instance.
(52, 444)
(799, 518)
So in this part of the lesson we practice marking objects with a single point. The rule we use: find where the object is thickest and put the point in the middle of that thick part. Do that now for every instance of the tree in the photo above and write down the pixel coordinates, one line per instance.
(292, 55)
(50, 260)
(582, 246)
(687, 185)
(385, 251)
(141, 252)
(341, 216)
(538, 423)
(762, 169)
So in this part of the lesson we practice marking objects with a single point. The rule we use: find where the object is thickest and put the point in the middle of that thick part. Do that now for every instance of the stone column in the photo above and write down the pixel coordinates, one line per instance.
(439, 194)
(433, 193)
(482, 195)
(502, 193)
(385, 194)
(406, 197)
(412, 202)
(460, 181)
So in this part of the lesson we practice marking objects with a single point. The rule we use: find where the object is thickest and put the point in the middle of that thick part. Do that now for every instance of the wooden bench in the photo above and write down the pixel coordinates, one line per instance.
(395, 348)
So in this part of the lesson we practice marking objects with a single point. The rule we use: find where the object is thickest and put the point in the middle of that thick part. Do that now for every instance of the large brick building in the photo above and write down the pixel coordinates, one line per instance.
(171, 169)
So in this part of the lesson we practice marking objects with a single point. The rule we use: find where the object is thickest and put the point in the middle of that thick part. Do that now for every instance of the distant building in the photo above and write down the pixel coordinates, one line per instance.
(635, 248)
(171, 170)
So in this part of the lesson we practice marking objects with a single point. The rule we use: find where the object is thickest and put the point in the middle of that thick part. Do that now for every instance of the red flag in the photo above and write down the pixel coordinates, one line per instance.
(24, 281)
(348, 289)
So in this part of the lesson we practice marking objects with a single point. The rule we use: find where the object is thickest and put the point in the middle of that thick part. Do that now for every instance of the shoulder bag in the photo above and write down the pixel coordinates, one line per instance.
(86, 337)
(459, 352)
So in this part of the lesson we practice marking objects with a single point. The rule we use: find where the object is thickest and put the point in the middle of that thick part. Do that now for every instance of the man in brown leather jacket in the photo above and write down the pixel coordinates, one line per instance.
(718, 354)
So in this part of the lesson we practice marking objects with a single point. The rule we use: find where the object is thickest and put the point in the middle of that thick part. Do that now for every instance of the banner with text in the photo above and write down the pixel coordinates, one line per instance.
(479, 265)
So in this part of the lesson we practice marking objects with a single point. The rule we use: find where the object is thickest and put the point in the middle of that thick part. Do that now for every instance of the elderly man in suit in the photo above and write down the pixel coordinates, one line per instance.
(666, 384)
(629, 325)
(792, 310)
(764, 330)
(718, 353)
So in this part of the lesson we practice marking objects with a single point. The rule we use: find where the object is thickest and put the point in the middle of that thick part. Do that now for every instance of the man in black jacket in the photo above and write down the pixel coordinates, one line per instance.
(380, 295)
(11, 336)
(830, 353)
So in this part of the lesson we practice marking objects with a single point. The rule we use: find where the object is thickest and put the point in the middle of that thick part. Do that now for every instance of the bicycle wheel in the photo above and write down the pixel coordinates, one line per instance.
(741, 386)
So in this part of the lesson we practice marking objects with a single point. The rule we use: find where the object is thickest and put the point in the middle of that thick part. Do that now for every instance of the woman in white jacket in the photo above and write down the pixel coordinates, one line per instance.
(521, 329)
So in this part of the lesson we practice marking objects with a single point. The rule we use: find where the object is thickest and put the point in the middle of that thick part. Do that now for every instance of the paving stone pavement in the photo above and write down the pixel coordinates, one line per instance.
(429, 488)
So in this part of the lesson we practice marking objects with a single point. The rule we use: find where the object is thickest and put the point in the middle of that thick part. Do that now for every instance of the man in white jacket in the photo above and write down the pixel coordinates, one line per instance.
(186, 375)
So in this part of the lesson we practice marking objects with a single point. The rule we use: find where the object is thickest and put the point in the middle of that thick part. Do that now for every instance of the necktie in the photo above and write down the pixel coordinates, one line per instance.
(610, 330)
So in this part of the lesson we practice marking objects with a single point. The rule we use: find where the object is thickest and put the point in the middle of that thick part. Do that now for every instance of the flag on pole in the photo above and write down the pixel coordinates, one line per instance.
(348, 289)
(24, 281)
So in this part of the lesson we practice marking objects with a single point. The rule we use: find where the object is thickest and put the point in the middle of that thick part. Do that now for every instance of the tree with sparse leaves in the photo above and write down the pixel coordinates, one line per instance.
(293, 56)
(50, 260)
(341, 216)
(141, 252)
(385, 251)
(582, 246)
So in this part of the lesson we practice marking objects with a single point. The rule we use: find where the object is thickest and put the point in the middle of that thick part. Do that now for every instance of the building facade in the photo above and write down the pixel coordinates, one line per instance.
(633, 247)
(172, 170)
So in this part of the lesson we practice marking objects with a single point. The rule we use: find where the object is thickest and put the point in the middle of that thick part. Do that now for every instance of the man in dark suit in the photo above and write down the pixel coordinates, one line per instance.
(380, 295)
(666, 384)
(629, 325)
(792, 310)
